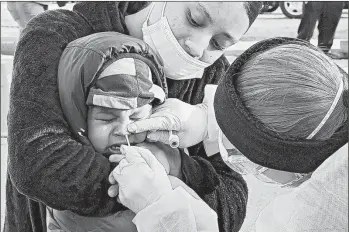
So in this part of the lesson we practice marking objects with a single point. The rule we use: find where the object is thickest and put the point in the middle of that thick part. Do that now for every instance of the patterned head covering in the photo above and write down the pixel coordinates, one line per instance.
(107, 69)
(127, 84)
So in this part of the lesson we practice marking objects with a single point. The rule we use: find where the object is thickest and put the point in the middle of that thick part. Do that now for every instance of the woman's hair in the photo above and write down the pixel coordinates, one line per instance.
(290, 88)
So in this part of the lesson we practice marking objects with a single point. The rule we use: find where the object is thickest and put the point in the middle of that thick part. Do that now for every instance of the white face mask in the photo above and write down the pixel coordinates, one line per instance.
(178, 65)
(240, 164)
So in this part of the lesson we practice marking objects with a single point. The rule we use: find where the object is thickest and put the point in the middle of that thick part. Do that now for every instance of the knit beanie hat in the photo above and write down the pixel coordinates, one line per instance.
(253, 139)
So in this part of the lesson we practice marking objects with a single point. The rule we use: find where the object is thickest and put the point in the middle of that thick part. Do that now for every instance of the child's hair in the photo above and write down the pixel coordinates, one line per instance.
(290, 88)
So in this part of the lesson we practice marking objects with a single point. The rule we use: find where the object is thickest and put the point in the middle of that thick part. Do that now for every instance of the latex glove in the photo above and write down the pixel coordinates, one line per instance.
(141, 178)
(169, 158)
(187, 121)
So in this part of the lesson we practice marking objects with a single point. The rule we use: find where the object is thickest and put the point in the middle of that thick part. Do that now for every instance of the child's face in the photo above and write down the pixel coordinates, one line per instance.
(107, 127)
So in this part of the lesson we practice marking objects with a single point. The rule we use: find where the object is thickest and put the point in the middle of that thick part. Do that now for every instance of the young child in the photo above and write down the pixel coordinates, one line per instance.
(103, 86)
(106, 81)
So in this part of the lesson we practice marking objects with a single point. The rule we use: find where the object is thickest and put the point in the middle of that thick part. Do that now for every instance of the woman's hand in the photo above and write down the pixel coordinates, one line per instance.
(188, 121)
(141, 178)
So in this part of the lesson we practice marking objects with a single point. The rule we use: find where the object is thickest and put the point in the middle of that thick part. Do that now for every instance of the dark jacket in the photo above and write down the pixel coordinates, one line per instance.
(47, 166)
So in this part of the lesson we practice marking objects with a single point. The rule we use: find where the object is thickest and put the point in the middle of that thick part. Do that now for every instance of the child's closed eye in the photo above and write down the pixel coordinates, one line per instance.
(106, 119)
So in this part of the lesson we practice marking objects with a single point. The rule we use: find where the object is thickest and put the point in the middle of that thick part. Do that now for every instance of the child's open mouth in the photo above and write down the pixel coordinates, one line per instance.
(114, 149)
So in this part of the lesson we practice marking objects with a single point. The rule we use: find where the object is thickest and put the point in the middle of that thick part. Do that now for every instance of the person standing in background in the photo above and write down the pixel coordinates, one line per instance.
(328, 14)
(22, 12)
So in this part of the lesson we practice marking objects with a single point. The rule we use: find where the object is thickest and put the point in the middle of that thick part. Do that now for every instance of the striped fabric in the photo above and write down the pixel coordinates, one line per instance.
(125, 84)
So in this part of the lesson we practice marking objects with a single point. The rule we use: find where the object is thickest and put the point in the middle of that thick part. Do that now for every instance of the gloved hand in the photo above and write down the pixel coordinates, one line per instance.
(141, 178)
(169, 158)
(187, 121)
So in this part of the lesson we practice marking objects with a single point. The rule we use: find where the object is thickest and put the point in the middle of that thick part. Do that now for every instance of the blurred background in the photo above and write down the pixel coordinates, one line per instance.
(277, 19)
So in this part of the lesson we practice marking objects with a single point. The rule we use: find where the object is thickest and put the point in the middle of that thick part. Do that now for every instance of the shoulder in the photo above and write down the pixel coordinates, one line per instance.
(56, 18)
(216, 71)
(211, 75)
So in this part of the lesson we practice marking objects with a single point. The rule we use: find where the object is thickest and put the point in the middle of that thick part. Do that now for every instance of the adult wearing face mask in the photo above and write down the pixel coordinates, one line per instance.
(294, 137)
(288, 125)
(196, 34)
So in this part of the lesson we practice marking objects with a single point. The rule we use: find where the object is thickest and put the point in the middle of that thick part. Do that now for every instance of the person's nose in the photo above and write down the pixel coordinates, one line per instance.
(197, 46)
(120, 128)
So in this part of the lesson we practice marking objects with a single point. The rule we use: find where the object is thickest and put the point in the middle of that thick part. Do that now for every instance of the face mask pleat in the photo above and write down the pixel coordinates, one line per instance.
(178, 64)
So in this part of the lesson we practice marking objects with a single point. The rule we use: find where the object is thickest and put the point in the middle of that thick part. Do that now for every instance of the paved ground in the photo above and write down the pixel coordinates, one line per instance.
(266, 26)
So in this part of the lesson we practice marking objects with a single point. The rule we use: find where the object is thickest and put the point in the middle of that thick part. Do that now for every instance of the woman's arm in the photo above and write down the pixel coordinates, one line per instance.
(45, 162)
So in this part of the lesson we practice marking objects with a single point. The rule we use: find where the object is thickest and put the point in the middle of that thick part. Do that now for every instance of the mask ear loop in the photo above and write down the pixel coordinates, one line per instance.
(145, 24)
(163, 10)
(329, 112)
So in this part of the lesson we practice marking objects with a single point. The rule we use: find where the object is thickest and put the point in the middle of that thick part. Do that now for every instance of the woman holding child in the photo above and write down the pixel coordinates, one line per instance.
(49, 166)
(48, 142)
(285, 125)
(123, 80)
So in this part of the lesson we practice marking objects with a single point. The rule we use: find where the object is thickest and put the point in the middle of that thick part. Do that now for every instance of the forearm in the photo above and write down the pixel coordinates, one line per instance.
(211, 141)
(46, 165)
(45, 162)
(176, 165)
